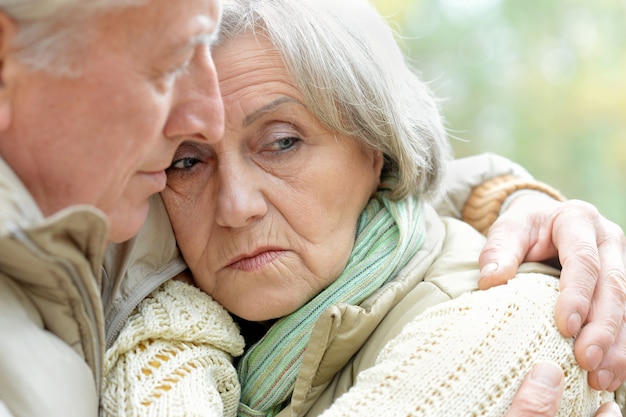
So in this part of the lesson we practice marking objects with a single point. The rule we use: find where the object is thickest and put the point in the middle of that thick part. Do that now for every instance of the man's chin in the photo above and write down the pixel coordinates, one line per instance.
(125, 224)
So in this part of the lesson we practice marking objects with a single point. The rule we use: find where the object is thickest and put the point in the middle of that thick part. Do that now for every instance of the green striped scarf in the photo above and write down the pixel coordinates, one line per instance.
(389, 233)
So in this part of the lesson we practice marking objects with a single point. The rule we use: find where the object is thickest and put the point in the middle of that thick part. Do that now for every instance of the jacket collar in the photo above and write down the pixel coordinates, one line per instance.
(82, 227)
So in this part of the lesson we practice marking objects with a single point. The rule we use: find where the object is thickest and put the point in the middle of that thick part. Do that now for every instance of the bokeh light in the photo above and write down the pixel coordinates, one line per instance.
(542, 82)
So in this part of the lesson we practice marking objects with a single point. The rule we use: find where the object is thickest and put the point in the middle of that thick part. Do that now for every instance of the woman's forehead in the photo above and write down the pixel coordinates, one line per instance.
(248, 67)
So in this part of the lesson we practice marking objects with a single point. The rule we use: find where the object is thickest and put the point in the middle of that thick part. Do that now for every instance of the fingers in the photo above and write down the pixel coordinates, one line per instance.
(497, 265)
(611, 372)
(506, 247)
(593, 292)
(575, 235)
(524, 230)
(609, 410)
(540, 393)
(601, 345)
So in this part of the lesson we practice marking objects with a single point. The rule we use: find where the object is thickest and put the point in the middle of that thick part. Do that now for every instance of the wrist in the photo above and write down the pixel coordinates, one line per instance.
(527, 198)
(491, 198)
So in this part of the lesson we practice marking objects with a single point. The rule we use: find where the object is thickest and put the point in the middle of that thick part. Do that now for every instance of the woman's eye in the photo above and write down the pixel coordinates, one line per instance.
(184, 163)
(285, 143)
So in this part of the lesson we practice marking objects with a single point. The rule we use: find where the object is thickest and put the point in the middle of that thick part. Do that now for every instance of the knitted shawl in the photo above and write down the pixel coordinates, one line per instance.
(173, 358)
(388, 234)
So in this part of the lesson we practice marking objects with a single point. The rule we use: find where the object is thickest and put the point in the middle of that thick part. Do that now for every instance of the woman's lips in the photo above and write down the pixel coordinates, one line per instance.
(257, 261)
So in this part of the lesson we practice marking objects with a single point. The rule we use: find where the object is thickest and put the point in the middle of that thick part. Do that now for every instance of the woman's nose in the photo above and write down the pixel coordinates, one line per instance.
(240, 199)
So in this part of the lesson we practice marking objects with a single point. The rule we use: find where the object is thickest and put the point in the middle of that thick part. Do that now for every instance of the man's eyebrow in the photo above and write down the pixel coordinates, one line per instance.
(204, 39)
(267, 108)
(210, 33)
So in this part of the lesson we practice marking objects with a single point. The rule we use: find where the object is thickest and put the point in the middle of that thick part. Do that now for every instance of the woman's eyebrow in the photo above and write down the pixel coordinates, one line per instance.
(267, 108)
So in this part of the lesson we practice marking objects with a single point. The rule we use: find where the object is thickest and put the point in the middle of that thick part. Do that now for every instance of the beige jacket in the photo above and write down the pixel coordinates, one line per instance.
(51, 318)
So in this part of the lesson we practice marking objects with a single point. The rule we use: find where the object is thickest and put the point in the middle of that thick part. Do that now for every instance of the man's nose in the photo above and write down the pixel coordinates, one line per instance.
(198, 111)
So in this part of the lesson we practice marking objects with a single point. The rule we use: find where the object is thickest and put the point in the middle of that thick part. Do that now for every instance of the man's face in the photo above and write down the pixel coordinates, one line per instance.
(106, 137)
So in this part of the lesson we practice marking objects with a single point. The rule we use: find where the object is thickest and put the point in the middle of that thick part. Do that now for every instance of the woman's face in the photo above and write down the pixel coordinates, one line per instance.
(266, 217)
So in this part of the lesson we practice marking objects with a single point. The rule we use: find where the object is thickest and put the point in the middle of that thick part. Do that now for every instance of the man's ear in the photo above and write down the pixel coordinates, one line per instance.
(7, 33)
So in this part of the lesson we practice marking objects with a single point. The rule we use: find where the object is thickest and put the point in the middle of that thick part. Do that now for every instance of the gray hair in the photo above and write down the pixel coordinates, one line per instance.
(354, 79)
(49, 32)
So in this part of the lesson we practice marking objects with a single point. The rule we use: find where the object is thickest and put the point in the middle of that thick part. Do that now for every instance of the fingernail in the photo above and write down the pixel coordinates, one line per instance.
(594, 355)
(574, 323)
(547, 374)
(489, 269)
(605, 378)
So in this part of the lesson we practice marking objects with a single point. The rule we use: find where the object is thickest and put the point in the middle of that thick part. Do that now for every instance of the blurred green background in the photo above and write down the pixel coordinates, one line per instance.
(542, 82)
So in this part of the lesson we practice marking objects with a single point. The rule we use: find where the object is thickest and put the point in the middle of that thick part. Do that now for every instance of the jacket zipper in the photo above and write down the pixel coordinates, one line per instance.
(148, 285)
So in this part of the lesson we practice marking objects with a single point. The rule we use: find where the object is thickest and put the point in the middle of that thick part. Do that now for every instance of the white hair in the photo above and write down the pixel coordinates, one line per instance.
(346, 63)
(49, 32)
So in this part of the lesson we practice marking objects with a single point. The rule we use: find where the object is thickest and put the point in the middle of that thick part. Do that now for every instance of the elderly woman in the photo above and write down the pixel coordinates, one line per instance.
(308, 221)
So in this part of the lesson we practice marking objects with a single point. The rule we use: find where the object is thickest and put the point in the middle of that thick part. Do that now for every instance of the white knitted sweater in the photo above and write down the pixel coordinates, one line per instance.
(468, 357)
(173, 358)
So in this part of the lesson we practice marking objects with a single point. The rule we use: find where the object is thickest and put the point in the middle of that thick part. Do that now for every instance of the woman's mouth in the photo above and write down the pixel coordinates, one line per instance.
(256, 261)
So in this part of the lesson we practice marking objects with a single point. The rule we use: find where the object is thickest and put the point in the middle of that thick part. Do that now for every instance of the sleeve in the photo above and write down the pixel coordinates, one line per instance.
(477, 189)
(174, 358)
(469, 356)
(41, 375)
(4, 411)
(488, 200)
(464, 174)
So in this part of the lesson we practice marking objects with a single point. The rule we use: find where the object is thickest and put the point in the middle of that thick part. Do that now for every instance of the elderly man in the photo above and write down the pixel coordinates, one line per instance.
(95, 96)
